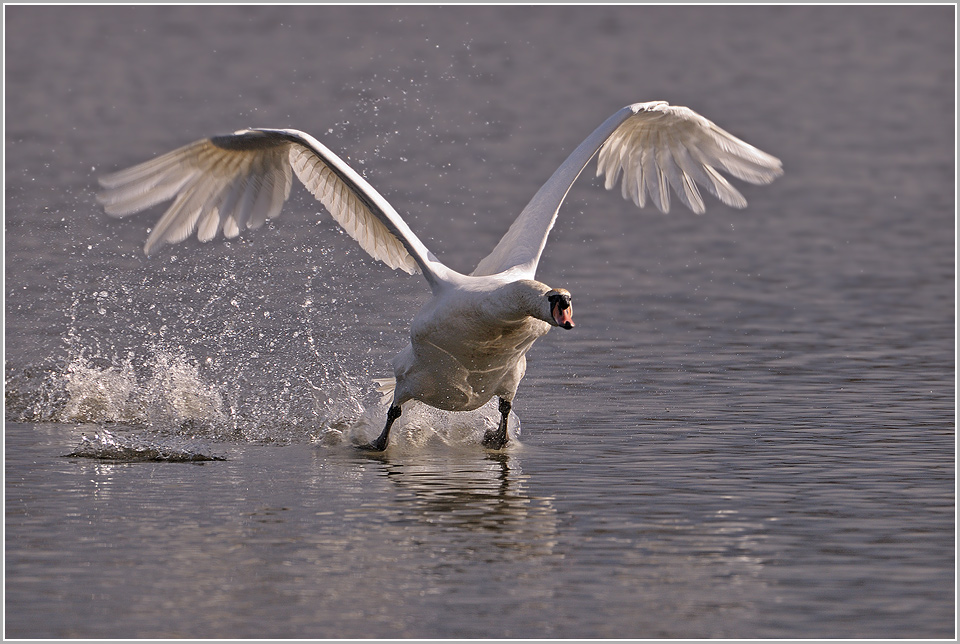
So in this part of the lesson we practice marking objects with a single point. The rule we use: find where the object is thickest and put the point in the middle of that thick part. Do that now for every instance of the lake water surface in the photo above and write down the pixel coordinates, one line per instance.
(749, 434)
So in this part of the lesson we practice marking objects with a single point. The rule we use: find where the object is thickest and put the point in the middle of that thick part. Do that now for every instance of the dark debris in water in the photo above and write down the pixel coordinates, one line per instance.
(105, 445)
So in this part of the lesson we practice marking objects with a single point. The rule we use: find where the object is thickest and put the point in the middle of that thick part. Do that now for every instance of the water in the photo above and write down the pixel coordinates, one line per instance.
(750, 433)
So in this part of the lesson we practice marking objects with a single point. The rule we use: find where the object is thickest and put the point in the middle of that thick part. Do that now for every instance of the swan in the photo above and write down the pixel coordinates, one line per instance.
(468, 343)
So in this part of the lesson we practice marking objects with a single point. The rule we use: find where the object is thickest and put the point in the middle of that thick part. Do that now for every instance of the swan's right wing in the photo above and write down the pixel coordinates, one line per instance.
(239, 180)
(652, 147)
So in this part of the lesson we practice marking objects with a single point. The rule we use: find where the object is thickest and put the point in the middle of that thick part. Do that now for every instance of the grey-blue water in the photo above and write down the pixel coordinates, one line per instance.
(749, 434)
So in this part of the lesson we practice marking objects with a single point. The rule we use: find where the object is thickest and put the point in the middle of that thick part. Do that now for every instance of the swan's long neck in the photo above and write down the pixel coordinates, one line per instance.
(522, 245)
(517, 301)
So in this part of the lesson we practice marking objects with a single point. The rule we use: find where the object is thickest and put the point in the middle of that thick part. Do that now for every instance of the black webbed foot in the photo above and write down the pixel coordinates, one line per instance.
(380, 443)
(374, 446)
(496, 439)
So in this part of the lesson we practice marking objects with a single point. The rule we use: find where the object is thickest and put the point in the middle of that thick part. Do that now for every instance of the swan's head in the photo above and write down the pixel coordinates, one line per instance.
(561, 310)
(517, 300)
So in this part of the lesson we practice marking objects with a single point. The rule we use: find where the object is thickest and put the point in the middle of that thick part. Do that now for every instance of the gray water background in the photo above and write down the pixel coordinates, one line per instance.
(750, 433)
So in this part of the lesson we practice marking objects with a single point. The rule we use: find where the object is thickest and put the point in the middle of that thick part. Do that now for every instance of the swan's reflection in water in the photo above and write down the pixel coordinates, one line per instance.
(478, 500)
(486, 493)
(440, 533)
(441, 477)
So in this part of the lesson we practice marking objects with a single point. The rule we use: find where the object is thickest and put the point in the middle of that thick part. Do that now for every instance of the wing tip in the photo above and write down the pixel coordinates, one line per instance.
(648, 146)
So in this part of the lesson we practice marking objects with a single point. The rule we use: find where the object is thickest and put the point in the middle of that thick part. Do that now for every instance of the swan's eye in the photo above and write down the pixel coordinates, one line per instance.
(559, 300)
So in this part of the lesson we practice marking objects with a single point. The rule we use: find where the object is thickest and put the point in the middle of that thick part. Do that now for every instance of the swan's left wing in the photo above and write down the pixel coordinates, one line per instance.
(239, 180)
(653, 147)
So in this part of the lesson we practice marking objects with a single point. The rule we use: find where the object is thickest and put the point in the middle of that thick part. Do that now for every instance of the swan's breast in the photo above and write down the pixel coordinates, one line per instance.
(462, 356)
(475, 336)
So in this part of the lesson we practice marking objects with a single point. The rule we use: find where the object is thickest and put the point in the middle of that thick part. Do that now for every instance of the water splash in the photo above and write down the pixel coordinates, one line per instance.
(169, 390)
(96, 395)
(180, 393)
(421, 427)
(34, 393)
(169, 395)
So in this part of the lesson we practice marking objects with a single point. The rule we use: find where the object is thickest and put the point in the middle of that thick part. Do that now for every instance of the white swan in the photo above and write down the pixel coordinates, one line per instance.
(468, 342)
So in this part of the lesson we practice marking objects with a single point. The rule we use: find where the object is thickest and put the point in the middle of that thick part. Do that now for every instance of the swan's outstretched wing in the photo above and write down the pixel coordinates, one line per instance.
(653, 147)
(239, 180)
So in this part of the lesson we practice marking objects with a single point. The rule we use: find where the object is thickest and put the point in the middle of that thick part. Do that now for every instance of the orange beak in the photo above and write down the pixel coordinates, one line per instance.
(563, 317)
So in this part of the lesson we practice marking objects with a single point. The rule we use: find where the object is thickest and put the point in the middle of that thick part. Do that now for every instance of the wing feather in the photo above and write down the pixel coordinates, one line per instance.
(651, 149)
(238, 181)
(209, 224)
(691, 150)
(350, 211)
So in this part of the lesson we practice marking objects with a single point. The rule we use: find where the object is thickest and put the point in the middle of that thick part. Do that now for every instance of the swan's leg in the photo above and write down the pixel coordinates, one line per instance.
(496, 439)
(381, 443)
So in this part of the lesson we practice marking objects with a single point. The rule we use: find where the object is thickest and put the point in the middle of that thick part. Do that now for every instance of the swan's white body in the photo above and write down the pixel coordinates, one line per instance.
(467, 346)
(469, 341)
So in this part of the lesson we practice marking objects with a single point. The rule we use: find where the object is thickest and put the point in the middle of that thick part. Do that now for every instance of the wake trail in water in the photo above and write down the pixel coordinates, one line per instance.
(110, 445)
(166, 396)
